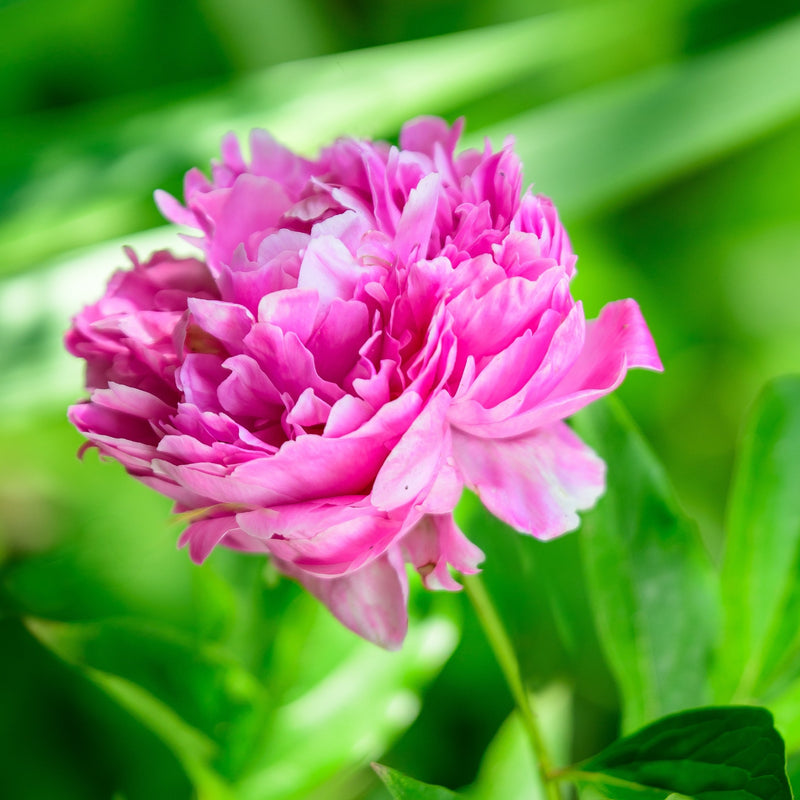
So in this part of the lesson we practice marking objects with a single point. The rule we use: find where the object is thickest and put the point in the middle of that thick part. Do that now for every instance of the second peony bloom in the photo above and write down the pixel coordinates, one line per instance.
(364, 335)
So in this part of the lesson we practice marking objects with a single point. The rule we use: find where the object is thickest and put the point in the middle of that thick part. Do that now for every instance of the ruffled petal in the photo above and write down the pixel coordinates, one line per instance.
(415, 461)
(204, 535)
(535, 483)
(435, 543)
(370, 602)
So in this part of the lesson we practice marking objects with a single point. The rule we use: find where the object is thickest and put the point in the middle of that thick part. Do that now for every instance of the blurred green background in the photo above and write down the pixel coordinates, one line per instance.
(668, 134)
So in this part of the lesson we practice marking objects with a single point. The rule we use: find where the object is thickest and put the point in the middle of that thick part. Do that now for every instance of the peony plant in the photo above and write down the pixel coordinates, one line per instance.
(362, 336)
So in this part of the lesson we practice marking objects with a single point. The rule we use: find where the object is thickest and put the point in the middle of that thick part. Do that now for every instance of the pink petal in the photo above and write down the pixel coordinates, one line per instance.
(536, 483)
(253, 204)
(416, 459)
(446, 490)
(130, 400)
(416, 221)
(436, 542)
(228, 322)
(291, 310)
(620, 330)
(370, 602)
(329, 268)
(324, 538)
(491, 324)
(309, 410)
(172, 210)
(204, 535)
(424, 133)
(619, 334)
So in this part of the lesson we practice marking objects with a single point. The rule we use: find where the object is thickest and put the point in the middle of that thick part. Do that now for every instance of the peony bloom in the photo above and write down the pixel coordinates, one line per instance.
(363, 336)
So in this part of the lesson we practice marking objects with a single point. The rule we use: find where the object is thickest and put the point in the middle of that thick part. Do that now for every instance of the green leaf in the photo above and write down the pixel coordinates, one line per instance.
(726, 753)
(761, 641)
(401, 787)
(351, 714)
(651, 584)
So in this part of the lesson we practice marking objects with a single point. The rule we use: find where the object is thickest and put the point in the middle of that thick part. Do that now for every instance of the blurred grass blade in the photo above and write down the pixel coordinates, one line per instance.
(761, 596)
(350, 717)
(97, 185)
(607, 144)
(649, 578)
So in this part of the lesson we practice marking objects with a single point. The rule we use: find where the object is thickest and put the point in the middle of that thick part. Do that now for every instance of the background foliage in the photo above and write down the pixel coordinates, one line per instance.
(668, 133)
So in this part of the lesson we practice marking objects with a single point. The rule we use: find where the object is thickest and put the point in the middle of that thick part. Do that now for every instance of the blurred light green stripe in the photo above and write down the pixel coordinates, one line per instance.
(605, 145)
(86, 186)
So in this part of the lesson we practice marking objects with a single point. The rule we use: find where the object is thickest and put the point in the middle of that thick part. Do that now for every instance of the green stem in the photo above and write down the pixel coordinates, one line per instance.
(507, 659)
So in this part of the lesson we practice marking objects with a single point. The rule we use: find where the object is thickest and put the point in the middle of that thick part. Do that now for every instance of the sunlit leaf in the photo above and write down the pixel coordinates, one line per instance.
(402, 787)
(651, 583)
(350, 716)
(761, 642)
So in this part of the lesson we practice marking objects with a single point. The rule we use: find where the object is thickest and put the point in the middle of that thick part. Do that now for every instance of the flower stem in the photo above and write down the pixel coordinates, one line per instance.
(506, 658)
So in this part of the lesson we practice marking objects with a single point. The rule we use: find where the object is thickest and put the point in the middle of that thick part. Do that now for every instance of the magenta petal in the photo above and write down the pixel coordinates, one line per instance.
(329, 268)
(616, 341)
(173, 210)
(423, 134)
(228, 322)
(505, 311)
(436, 542)
(416, 459)
(536, 483)
(253, 204)
(204, 535)
(620, 330)
(370, 602)
(291, 310)
(326, 540)
(130, 400)
(416, 222)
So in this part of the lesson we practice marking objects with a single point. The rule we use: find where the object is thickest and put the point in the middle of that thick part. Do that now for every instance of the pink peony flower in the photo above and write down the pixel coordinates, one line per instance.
(365, 335)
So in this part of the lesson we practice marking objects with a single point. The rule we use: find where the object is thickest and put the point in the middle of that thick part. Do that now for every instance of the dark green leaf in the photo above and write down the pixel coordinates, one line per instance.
(401, 787)
(650, 580)
(761, 598)
(193, 749)
(726, 753)
(201, 684)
